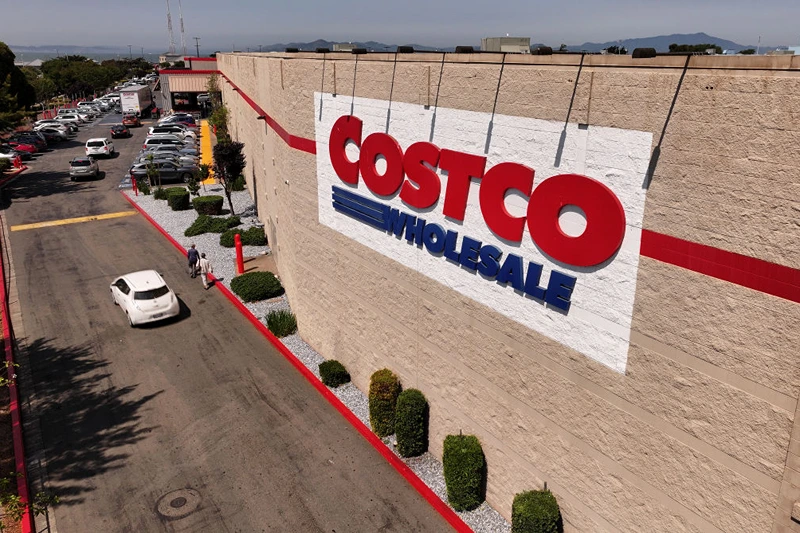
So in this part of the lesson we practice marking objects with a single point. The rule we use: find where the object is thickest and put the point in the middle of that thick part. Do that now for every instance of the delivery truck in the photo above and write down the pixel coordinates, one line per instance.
(136, 99)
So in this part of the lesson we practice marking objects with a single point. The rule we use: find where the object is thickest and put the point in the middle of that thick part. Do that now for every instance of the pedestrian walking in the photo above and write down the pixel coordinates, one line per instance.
(194, 257)
(205, 269)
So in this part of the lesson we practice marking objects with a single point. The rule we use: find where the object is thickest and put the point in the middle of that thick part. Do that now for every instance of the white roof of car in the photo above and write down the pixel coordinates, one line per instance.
(98, 139)
(144, 280)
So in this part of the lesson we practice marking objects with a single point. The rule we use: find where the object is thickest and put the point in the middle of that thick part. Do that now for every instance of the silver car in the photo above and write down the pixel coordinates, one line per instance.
(83, 167)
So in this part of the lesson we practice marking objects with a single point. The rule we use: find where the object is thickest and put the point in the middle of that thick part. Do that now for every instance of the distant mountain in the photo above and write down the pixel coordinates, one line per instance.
(67, 49)
(321, 43)
(661, 43)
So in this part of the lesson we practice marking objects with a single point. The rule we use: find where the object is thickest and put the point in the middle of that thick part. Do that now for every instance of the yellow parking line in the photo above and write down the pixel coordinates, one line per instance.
(61, 222)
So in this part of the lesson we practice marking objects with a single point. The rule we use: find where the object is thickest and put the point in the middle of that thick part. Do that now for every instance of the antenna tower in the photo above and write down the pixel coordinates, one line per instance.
(169, 29)
(183, 38)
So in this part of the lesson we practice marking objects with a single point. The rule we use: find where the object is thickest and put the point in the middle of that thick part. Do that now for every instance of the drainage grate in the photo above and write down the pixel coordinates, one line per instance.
(178, 503)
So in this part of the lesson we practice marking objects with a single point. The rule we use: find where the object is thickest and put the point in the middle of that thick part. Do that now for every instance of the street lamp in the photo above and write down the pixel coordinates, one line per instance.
(130, 53)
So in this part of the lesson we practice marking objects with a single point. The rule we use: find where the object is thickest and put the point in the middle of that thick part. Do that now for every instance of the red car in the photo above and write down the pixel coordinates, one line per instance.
(131, 120)
(23, 147)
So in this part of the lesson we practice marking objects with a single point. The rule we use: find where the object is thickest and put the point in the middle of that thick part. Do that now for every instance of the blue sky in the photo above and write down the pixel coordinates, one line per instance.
(247, 23)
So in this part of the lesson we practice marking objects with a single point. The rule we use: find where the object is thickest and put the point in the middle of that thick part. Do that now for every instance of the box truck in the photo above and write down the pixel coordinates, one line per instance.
(136, 99)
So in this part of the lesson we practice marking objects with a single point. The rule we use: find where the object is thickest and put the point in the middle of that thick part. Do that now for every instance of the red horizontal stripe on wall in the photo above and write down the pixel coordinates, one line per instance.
(763, 276)
(178, 72)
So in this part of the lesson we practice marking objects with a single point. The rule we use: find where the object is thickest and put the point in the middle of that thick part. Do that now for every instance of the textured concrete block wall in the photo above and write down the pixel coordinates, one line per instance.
(695, 435)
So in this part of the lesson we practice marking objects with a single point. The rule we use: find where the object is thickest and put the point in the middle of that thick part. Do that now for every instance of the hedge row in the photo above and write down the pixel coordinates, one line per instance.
(250, 237)
(207, 224)
(255, 286)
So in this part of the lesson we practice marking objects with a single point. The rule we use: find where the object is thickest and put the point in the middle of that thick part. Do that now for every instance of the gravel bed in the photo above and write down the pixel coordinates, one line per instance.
(484, 519)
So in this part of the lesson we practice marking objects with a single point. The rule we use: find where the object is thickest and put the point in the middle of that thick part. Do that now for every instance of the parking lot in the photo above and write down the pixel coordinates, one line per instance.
(122, 423)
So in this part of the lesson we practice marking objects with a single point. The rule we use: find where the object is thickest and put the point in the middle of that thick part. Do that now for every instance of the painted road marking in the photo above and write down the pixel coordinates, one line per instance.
(36, 225)
(206, 157)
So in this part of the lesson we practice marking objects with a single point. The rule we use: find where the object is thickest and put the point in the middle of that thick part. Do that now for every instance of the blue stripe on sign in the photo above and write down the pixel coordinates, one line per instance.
(369, 211)
(379, 224)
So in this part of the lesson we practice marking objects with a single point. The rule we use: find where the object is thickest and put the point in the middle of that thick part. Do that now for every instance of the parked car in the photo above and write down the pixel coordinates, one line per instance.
(167, 170)
(178, 119)
(52, 125)
(99, 146)
(75, 117)
(178, 131)
(30, 137)
(72, 124)
(83, 167)
(23, 147)
(153, 141)
(9, 152)
(120, 130)
(176, 149)
(180, 160)
(53, 135)
(144, 297)
(131, 120)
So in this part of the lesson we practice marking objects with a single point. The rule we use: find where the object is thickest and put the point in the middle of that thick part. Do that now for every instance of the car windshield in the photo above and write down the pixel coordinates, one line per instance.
(81, 163)
(95, 143)
(151, 294)
(118, 128)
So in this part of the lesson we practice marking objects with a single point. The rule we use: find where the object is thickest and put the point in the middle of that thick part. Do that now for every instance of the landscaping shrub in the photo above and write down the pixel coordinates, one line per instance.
(207, 224)
(5, 164)
(160, 193)
(250, 237)
(143, 185)
(384, 388)
(178, 199)
(411, 423)
(281, 323)
(238, 184)
(255, 286)
(535, 511)
(464, 471)
(208, 205)
(333, 373)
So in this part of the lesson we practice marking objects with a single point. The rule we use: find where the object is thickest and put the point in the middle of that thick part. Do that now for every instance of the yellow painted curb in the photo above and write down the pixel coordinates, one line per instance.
(206, 155)
(35, 225)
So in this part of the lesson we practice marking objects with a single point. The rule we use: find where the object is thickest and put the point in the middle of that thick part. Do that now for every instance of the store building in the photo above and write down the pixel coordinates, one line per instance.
(591, 263)
(181, 87)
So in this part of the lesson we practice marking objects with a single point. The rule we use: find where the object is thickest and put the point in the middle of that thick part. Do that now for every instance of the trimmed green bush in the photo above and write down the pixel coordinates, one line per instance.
(464, 471)
(535, 511)
(411, 423)
(160, 193)
(5, 164)
(208, 205)
(207, 224)
(238, 184)
(281, 323)
(333, 373)
(143, 185)
(178, 199)
(384, 388)
(250, 237)
(255, 286)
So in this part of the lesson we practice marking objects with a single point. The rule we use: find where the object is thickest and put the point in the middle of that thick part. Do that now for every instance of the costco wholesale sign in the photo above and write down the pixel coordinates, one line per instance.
(539, 222)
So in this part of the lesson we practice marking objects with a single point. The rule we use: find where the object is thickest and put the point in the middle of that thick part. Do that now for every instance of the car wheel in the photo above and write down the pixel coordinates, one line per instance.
(130, 321)
(187, 177)
(72, 178)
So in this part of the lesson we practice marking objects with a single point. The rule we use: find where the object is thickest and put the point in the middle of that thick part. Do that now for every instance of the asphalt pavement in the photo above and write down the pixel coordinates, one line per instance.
(195, 425)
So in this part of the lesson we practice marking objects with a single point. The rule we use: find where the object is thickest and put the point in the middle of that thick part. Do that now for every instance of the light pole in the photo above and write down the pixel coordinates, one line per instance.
(197, 45)
(142, 52)
(130, 53)
(259, 47)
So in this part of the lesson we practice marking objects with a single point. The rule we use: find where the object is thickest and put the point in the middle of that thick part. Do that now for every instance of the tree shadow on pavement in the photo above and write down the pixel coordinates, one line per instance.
(86, 421)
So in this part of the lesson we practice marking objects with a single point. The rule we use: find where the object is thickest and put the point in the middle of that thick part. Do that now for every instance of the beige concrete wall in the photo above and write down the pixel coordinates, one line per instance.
(695, 435)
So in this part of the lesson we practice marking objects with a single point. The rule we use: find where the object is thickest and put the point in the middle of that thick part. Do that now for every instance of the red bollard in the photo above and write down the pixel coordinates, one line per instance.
(237, 240)
(135, 188)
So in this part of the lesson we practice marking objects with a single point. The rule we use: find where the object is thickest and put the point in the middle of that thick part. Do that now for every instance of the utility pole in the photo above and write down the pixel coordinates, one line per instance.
(197, 45)
(758, 48)
(142, 52)
(130, 53)
(259, 47)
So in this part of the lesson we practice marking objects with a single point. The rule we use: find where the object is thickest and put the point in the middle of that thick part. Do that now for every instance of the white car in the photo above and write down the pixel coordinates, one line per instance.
(178, 131)
(75, 117)
(99, 146)
(145, 297)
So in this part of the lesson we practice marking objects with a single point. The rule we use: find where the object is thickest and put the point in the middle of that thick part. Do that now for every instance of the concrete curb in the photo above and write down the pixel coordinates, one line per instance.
(26, 522)
(441, 507)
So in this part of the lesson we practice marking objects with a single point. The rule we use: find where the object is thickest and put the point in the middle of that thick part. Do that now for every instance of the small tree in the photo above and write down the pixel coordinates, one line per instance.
(748, 51)
(152, 171)
(229, 163)
(562, 48)
(219, 119)
(214, 92)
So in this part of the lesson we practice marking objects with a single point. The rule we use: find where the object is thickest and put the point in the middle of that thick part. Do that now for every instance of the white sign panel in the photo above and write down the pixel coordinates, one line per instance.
(596, 321)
